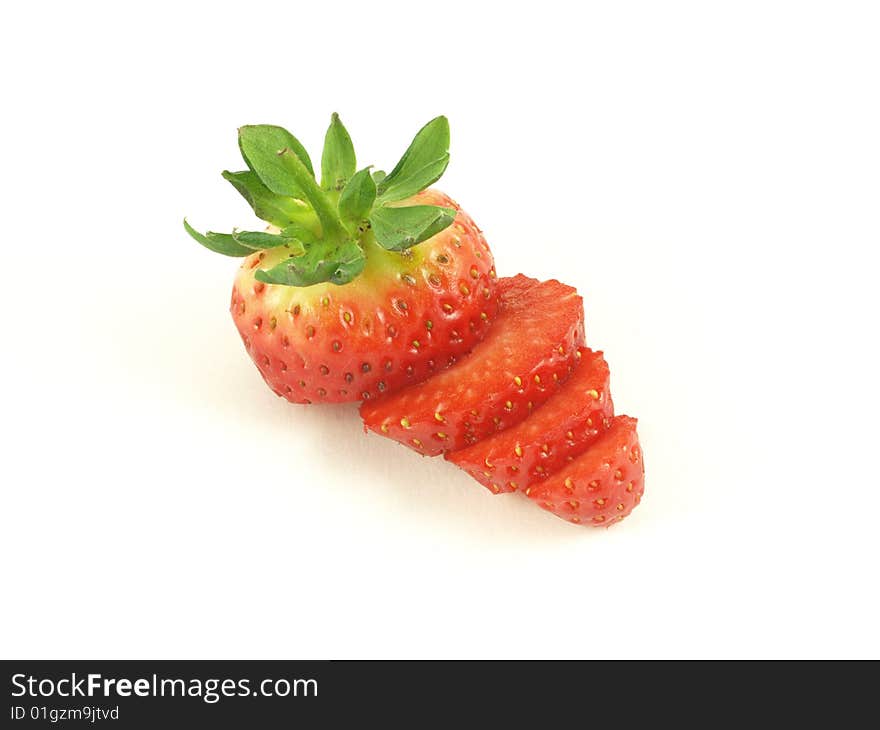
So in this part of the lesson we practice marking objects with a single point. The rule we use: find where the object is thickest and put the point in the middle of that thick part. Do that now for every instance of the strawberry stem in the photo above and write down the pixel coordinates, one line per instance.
(331, 223)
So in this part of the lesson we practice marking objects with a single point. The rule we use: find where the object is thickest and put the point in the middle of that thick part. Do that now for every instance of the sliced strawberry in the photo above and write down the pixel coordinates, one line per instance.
(603, 485)
(529, 351)
(549, 438)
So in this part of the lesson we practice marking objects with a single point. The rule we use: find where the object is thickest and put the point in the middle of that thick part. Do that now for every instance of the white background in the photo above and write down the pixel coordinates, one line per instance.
(707, 174)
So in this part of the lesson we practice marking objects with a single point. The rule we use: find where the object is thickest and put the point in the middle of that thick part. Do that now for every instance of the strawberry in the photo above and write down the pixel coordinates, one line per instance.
(364, 282)
(552, 436)
(603, 485)
(531, 349)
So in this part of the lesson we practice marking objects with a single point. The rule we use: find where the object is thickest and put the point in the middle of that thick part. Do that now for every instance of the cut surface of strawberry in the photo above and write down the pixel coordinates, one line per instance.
(551, 437)
(529, 352)
(602, 485)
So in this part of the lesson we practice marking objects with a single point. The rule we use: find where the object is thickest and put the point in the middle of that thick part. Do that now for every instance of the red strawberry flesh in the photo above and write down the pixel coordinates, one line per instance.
(531, 349)
(603, 485)
(551, 437)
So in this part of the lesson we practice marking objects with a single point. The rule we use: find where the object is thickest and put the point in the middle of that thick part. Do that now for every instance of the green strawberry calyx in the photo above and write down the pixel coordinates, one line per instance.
(323, 225)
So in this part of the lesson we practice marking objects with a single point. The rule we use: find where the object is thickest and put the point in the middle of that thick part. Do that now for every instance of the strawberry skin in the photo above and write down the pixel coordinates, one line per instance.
(551, 437)
(530, 350)
(603, 485)
(409, 314)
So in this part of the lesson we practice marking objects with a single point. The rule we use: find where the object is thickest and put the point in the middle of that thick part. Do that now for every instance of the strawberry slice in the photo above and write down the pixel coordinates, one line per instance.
(551, 437)
(530, 350)
(603, 485)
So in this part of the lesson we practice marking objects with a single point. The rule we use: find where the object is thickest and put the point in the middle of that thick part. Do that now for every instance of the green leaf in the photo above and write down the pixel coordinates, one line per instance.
(379, 176)
(338, 265)
(300, 233)
(422, 164)
(260, 240)
(218, 242)
(397, 229)
(357, 197)
(261, 146)
(338, 160)
(275, 209)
